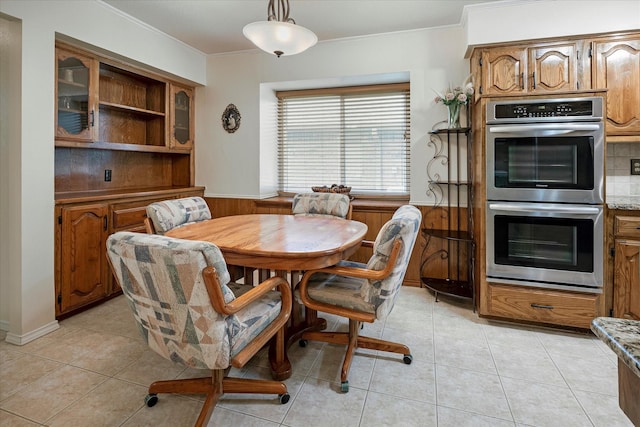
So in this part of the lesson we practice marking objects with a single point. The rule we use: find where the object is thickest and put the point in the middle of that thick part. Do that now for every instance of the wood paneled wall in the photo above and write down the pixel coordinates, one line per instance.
(374, 214)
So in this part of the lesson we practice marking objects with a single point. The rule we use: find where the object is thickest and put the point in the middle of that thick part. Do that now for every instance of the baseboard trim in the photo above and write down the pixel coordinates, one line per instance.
(30, 336)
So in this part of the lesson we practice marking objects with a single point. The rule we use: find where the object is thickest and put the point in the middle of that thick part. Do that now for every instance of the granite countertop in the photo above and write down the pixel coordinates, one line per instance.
(622, 336)
(623, 202)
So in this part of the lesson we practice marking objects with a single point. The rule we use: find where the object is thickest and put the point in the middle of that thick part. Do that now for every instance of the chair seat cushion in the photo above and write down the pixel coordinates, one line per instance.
(338, 290)
(246, 324)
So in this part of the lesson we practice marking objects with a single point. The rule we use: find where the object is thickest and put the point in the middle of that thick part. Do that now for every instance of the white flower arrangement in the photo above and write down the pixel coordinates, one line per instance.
(458, 95)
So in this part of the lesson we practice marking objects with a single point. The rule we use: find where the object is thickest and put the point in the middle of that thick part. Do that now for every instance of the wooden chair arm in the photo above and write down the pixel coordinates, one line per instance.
(148, 225)
(367, 244)
(217, 298)
(363, 273)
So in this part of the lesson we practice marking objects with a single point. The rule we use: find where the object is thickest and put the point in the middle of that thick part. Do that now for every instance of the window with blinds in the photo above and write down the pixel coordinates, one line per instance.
(356, 136)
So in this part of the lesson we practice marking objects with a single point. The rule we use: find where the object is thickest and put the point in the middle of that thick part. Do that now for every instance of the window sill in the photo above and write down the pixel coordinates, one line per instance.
(359, 204)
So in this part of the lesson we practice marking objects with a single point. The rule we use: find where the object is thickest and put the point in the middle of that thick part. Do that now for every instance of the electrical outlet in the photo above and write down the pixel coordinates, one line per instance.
(635, 166)
(107, 175)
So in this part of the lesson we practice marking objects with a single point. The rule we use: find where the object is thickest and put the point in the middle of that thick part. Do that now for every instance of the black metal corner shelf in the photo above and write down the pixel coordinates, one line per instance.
(456, 288)
(451, 190)
(461, 235)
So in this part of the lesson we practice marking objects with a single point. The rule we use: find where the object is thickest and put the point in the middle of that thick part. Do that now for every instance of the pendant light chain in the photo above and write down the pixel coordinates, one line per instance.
(281, 14)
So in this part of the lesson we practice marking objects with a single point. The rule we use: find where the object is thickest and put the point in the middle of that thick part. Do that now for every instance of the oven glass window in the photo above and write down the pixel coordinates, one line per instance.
(553, 162)
(554, 243)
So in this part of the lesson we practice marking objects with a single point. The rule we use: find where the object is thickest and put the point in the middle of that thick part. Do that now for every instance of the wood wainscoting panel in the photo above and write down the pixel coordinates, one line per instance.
(371, 212)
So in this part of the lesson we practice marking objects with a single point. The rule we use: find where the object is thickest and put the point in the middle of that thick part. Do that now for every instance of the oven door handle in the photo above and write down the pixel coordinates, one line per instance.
(546, 129)
(528, 208)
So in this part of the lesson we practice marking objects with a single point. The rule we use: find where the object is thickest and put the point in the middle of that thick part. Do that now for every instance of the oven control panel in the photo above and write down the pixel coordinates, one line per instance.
(545, 110)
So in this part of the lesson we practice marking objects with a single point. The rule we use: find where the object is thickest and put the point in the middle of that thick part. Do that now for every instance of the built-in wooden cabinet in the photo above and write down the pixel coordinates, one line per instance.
(117, 107)
(523, 303)
(124, 139)
(608, 62)
(83, 223)
(553, 68)
(132, 108)
(502, 70)
(528, 69)
(76, 100)
(83, 266)
(616, 67)
(181, 126)
(626, 262)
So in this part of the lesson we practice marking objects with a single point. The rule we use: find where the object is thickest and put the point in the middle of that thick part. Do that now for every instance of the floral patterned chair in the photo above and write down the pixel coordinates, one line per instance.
(328, 204)
(363, 293)
(189, 312)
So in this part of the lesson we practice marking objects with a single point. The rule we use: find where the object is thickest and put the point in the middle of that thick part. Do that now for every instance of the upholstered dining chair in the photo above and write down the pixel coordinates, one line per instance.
(328, 204)
(320, 204)
(169, 214)
(363, 292)
(189, 312)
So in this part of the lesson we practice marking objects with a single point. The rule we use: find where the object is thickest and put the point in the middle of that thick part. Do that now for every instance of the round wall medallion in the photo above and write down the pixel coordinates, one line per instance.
(231, 118)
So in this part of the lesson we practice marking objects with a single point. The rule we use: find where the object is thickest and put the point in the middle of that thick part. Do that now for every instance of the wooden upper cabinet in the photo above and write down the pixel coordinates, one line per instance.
(529, 69)
(616, 67)
(503, 70)
(76, 95)
(132, 107)
(553, 69)
(181, 121)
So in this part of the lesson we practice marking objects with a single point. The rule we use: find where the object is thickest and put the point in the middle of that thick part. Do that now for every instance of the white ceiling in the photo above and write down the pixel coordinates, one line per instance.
(215, 26)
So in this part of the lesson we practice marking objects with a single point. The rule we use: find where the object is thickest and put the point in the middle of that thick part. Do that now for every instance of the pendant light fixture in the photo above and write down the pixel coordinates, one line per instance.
(279, 34)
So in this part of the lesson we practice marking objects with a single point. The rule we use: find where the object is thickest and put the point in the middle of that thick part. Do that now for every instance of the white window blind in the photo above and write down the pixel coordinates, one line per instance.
(357, 137)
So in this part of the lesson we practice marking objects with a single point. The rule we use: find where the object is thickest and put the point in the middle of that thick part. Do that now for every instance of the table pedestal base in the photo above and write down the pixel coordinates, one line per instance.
(278, 359)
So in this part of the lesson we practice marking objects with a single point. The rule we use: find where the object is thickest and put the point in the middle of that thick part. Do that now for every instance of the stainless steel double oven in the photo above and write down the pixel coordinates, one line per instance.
(545, 193)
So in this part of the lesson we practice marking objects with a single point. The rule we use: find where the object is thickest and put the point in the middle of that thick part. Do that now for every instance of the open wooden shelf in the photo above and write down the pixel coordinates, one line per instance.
(129, 109)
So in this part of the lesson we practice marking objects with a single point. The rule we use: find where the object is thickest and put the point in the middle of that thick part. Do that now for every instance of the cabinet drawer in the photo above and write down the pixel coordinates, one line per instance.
(128, 218)
(627, 226)
(538, 305)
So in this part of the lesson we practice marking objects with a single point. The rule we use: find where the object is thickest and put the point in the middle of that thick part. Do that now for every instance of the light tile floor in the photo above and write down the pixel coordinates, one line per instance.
(466, 371)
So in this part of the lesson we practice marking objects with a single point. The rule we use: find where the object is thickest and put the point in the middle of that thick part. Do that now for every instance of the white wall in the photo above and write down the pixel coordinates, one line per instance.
(537, 19)
(28, 310)
(242, 164)
(10, 72)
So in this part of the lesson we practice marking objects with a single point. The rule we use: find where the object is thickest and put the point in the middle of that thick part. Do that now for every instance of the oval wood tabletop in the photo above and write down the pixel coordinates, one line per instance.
(279, 242)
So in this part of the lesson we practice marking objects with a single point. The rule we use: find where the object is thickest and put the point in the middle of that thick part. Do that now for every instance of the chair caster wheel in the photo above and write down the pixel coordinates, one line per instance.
(284, 398)
(407, 359)
(150, 400)
(302, 343)
(344, 387)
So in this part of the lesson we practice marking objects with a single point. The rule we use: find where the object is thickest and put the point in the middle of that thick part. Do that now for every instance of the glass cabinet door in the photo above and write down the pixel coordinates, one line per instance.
(181, 117)
(75, 113)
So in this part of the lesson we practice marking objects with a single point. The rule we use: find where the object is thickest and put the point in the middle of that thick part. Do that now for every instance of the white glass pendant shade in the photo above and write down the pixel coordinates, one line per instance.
(280, 38)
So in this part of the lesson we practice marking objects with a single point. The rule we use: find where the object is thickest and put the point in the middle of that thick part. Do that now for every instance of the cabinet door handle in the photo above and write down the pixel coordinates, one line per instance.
(547, 307)
(104, 224)
(522, 81)
(534, 79)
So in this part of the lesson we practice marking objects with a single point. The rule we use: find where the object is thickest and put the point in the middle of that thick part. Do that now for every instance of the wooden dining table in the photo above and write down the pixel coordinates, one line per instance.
(281, 244)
